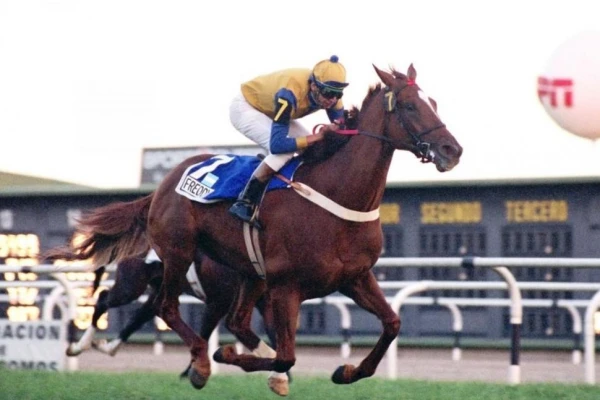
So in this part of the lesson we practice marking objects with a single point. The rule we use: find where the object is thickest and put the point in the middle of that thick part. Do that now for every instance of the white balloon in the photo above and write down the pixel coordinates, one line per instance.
(569, 88)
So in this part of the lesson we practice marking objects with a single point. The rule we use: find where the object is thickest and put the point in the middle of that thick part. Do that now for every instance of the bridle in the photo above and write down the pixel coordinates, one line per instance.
(391, 106)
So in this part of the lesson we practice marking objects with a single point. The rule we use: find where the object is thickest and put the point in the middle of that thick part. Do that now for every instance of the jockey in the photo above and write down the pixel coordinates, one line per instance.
(266, 111)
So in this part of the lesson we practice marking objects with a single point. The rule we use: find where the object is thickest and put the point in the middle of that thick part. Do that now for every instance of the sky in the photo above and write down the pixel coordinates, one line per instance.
(86, 85)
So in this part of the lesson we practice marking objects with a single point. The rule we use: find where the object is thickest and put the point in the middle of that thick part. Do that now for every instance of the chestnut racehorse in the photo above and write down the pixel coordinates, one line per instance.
(309, 252)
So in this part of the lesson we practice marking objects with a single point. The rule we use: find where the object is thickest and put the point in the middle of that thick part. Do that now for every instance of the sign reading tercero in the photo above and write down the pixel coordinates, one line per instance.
(157, 162)
(537, 211)
(35, 345)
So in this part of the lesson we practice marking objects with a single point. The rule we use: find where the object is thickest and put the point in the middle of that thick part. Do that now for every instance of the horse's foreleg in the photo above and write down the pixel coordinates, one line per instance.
(213, 313)
(87, 339)
(238, 322)
(366, 293)
(144, 314)
(240, 317)
(278, 381)
(84, 343)
(168, 299)
(285, 303)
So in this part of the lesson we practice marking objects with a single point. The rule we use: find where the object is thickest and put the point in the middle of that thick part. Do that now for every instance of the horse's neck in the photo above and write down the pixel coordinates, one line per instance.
(355, 176)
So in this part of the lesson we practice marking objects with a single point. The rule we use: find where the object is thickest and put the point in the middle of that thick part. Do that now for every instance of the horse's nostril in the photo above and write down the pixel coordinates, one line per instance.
(451, 151)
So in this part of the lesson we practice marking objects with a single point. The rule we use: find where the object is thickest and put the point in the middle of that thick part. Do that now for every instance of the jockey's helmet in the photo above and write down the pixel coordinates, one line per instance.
(330, 74)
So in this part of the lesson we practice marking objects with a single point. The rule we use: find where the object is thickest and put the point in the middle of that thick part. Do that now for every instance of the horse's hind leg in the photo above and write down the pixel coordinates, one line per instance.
(366, 293)
(168, 303)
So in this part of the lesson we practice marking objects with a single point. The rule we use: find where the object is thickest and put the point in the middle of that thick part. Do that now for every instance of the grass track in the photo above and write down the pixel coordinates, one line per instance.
(22, 385)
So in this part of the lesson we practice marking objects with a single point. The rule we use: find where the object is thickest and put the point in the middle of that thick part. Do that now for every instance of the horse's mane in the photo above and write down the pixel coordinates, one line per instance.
(321, 151)
(332, 142)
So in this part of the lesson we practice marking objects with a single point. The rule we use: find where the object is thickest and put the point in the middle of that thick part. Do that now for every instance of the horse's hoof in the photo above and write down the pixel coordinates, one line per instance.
(185, 373)
(279, 386)
(198, 381)
(218, 356)
(106, 347)
(73, 351)
(100, 345)
(339, 376)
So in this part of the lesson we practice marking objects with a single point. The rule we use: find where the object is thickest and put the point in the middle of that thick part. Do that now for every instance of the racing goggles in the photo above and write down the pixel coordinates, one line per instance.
(330, 93)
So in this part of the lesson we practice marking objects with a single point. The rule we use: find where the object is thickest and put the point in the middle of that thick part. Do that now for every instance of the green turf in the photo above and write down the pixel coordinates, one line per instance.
(22, 385)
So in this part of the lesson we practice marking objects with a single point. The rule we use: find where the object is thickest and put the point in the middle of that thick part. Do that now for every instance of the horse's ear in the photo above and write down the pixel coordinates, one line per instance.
(385, 77)
(412, 73)
(433, 103)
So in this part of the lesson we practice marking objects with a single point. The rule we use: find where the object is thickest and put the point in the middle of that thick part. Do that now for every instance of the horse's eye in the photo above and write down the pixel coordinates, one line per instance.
(409, 106)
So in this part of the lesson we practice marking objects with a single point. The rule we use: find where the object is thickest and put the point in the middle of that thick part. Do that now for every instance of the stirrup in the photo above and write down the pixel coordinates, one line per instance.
(242, 209)
(245, 211)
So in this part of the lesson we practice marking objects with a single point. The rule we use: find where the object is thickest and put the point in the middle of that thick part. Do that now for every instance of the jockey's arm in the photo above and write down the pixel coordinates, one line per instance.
(280, 143)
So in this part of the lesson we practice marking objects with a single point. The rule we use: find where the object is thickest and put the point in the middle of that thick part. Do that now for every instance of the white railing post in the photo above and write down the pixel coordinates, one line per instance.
(577, 329)
(345, 324)
(392, 352)
(590, 340)
(457, 327)
(516, 319)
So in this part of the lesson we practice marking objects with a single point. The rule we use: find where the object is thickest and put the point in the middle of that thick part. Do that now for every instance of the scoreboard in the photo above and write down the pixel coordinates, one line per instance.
(20, 249)
(23, 303)
(488, 219)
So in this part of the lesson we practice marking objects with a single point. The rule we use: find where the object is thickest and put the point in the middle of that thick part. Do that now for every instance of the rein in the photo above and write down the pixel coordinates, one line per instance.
(423, 147)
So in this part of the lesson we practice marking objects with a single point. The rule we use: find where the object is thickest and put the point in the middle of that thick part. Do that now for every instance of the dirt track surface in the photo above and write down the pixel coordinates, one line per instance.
(475, 365)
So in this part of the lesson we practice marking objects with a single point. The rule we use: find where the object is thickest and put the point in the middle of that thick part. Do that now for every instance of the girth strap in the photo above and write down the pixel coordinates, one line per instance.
(253, 249)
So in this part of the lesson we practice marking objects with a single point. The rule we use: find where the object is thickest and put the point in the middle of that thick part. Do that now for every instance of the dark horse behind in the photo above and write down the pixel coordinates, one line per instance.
(309, 252)
(214, 284)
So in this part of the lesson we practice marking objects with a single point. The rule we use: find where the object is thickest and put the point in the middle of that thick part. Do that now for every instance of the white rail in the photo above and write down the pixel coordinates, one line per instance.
(498, 264)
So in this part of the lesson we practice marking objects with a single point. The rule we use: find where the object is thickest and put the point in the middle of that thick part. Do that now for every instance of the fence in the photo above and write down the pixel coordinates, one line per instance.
(498, 264)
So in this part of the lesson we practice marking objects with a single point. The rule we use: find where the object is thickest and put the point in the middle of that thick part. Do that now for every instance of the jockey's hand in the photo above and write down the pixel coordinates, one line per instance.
(316, 137)
(324, 130)
(329, 128)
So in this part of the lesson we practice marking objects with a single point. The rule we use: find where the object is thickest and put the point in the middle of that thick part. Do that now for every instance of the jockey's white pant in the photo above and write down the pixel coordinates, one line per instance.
(256, 126)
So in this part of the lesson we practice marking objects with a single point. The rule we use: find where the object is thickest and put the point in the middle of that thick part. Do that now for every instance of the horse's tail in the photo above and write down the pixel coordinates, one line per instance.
(110, 234)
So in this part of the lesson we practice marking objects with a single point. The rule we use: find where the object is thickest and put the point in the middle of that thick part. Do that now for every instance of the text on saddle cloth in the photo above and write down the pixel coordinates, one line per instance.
(223, 177)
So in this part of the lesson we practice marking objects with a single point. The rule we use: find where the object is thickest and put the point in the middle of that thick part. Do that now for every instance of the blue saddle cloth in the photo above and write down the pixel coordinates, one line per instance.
(223, 177)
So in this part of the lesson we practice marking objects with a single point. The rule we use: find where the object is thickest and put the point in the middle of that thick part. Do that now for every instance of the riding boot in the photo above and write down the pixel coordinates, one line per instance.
(247, 201)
